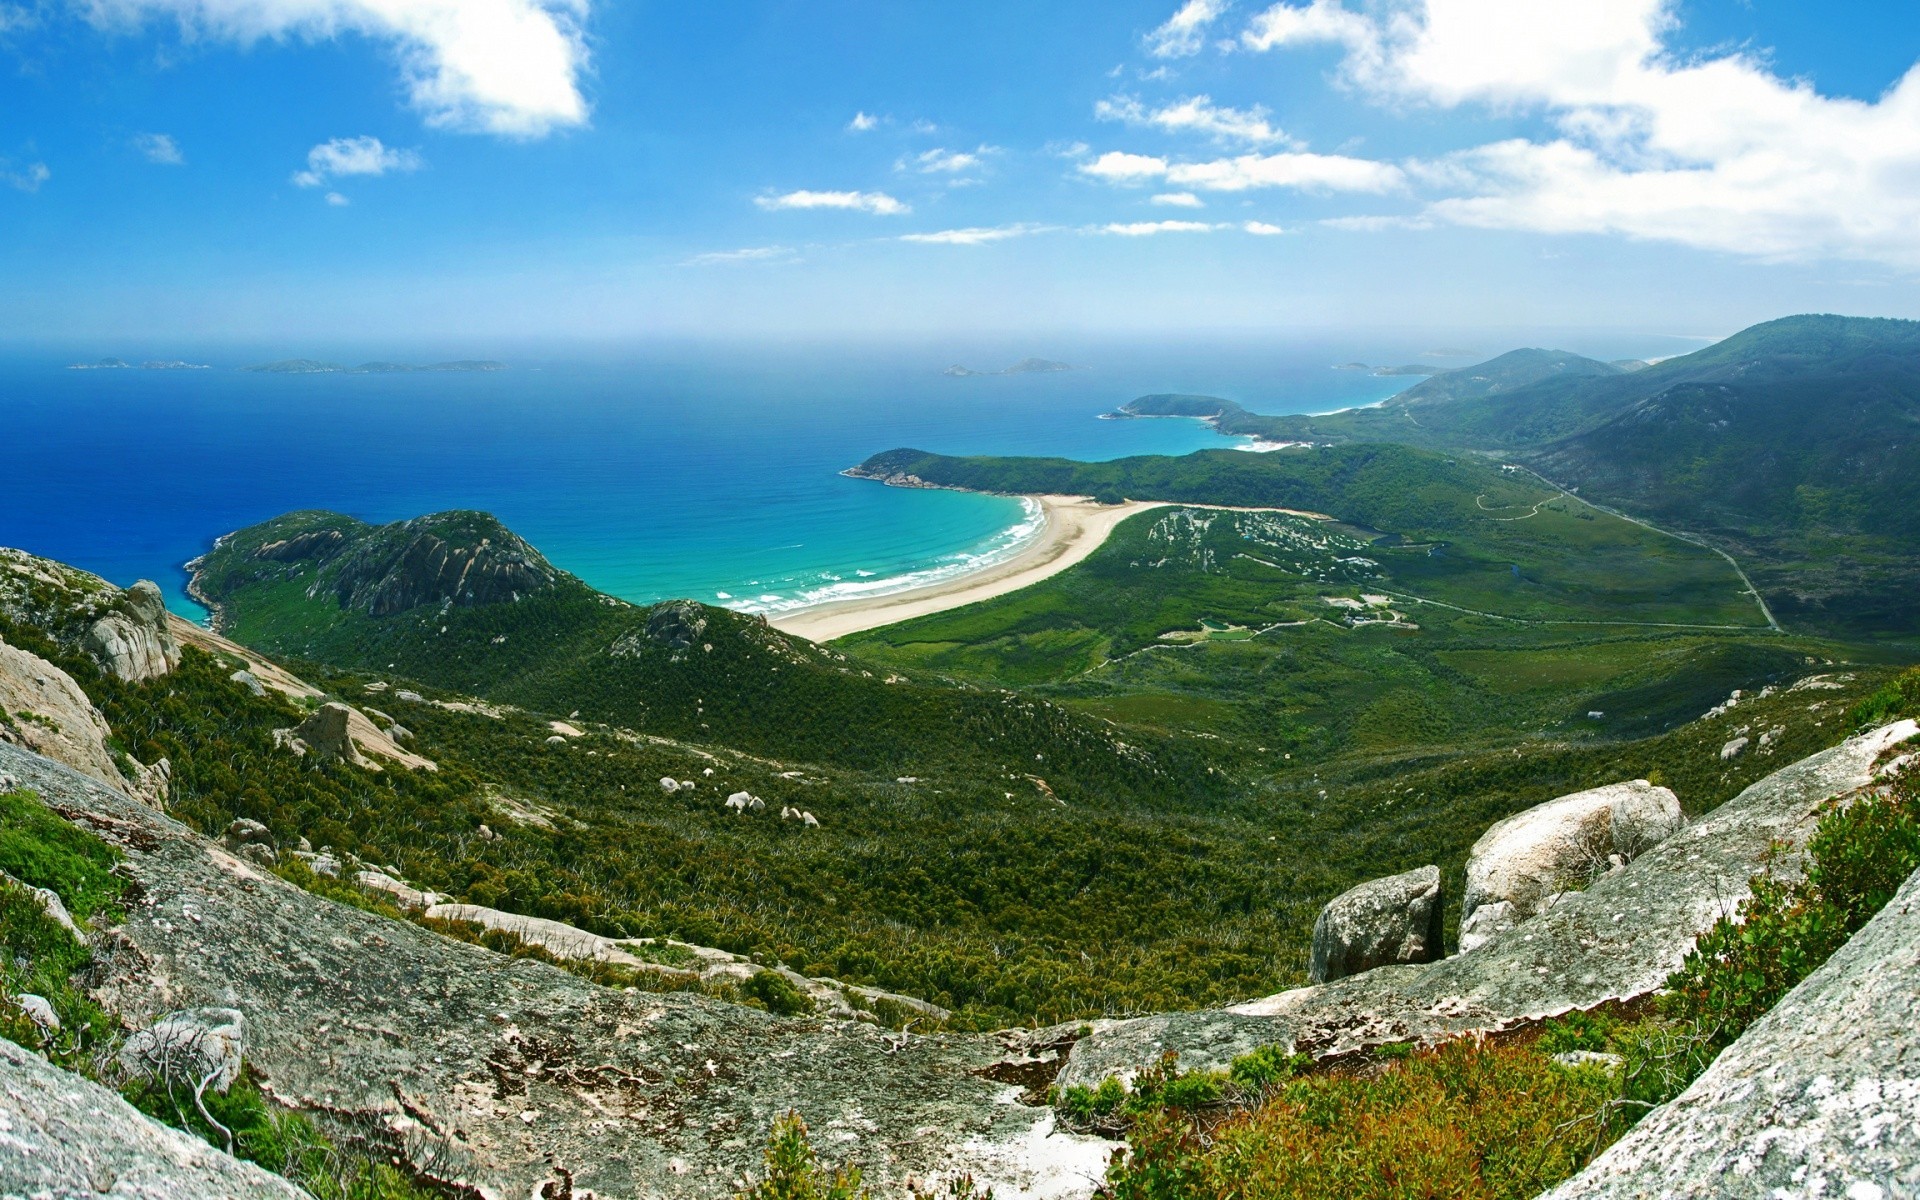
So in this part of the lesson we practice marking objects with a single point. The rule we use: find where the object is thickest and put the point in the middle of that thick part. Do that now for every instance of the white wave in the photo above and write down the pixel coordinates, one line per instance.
(829, 588)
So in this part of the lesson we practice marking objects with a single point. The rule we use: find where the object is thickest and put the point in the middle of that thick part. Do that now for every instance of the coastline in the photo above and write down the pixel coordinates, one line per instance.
(1074, 527)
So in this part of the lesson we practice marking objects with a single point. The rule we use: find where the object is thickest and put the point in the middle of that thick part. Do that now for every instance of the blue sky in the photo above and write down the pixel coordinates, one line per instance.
(604, 169)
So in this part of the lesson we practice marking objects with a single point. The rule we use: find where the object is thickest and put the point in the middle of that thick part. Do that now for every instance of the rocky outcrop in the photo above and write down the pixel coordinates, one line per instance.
(1820, 1097)
(1383, 921)
(1617, 940)
(674, 959)
(337, 732)
(499, 1074)
(458, 559)
(62, 1136)
(43, 709)
(324, 735)
(1522, 863)
(133, 642)
(676, 624)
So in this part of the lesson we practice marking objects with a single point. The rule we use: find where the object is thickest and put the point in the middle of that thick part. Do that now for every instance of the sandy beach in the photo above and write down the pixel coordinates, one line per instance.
(1074, 527)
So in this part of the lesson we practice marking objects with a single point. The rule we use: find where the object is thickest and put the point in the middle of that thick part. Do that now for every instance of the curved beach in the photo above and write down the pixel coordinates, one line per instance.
(1073, 528)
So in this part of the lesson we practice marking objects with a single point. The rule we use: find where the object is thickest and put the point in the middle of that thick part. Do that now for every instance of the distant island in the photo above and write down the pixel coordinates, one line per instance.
(1408, 369)
(1026, 366)
(121, 364)
(310, 366)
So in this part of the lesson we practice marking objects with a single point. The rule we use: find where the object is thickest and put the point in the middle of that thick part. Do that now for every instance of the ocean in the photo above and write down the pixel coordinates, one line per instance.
(709, 472)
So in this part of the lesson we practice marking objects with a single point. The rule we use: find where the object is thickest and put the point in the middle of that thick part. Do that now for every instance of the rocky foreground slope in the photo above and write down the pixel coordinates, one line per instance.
(511, 1078)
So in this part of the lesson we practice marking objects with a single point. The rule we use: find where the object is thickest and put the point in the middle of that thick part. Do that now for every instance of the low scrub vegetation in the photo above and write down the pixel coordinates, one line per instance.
(1502, 1119)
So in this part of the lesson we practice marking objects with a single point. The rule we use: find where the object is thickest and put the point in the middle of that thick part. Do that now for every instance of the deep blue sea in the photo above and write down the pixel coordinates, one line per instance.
(701, 471)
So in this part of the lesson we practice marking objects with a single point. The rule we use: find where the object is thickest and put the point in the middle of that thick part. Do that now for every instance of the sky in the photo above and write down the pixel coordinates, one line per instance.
(618, 169)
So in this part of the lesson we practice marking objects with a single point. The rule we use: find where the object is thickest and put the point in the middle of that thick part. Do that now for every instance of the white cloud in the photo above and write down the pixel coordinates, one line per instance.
(1149, 228)
(1375, 224)
(1716, 152)
(977, 236)
(27, 178)
(878, 203)
(1185, 32)
(943, 161)
(1179, 200)
(862, 122)
(13, 17)
(336, 200)
(498, 66)
(1320, 21)
(1314, 172)
(1261, 228)
(1195, 114)
(353, 156)
(159, 148)
(749, 254)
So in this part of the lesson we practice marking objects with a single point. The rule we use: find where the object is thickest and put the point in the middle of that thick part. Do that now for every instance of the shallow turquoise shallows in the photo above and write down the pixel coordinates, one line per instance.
(710, 473)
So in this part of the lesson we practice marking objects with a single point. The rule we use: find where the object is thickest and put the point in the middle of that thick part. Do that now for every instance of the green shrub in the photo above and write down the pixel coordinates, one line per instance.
(1899, 698)
(1577, 1031)
(776, 993)
(794, 1171)
(1267, 1067)
(1465, 1120)
(41, 850)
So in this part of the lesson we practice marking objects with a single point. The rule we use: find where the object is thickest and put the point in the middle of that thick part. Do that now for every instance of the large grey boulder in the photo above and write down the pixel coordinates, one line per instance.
(1821, 1097)
(68, 1138)
(1559, 847)
(501, 1076)
(133, 642)
(1391, 920)
(326, 734)
(200, 1048)
(1617, 940)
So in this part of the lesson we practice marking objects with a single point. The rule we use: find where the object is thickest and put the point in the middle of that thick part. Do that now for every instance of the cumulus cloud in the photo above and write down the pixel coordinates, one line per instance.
(1179, 200)
(1195, 114)
(508, 67)
(976, 236)
(353, 156)
(1185, 32)
(1261, 228)
(27, 177)
(159, 148)
(1712, 151)
(1149, 228)
(877, 203)
(1311, 172)
(862, 122)
(336, 200)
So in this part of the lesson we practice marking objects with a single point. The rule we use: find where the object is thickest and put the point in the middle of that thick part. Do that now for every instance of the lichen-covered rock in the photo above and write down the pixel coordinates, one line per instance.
(133, 642)
(1617, 940)
(195, 1048)
(1391, 920)
(1820, 1097)
(1560, 845)
(497, 1074)
(67, 1138)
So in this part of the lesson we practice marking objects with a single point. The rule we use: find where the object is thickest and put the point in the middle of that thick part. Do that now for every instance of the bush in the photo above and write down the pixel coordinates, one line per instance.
(794, 1171)
(776, 993)
(1466, 1120)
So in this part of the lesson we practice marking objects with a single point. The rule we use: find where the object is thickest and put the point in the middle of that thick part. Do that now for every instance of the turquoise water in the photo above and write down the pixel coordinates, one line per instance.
(702, 472)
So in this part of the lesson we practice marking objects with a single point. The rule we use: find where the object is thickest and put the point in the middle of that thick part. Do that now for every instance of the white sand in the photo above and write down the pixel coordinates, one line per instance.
(1074, 528)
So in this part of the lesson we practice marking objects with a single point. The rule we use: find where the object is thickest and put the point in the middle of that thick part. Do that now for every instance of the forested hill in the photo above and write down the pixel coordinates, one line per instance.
(457, 601)
(1405, 490)
(1792, 444)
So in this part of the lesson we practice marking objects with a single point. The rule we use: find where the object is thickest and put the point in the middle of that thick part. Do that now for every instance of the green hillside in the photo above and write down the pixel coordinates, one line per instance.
(1791, 444)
